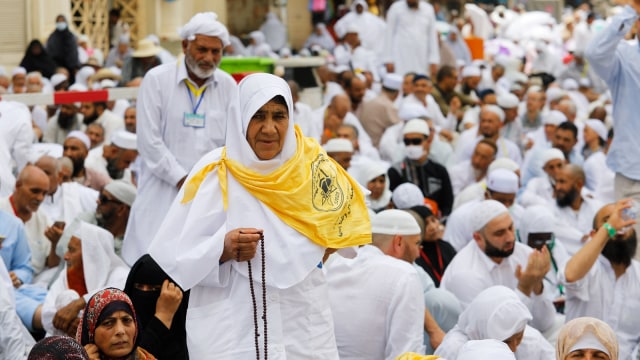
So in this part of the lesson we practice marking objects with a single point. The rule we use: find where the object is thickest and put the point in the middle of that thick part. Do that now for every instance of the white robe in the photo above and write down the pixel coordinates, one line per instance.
(15, 340)
(370, 28)
(167, 147)
(411, 41)
(16, 137)
(70, 200)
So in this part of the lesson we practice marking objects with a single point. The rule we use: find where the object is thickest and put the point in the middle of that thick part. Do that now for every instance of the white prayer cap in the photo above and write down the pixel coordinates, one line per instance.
(503, 163)
(58, 79)
(392, 81)
(471, 70)
(154, 38)
(551, 154)
(124, 39)
(508, 101)
(589, 341)
(410, 111)
(78, 87)
(485, 349)
(555, 94)
(77, 134)
(18, 71)
(486, 211)
(353, 29)
(554, 117)
(407, 195)
(585, 82)
(125, 140)
(107, 84)
(207, 24)
(394, 222)
(570, 84)
(122, 191)
(496, 110)
(502, 181)
(338, 145)
(418, 126)
(257, 36)
(597, 126)
(535, 219)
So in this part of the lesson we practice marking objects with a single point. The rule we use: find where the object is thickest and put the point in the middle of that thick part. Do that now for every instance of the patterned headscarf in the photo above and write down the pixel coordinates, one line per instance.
(101, 305)
(602, 336)
(58, 348)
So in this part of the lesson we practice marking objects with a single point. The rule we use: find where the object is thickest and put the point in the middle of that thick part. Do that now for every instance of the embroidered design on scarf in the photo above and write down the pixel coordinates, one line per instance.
(327, 195)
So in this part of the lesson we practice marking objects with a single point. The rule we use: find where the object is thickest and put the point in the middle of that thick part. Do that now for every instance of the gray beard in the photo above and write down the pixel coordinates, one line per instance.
(192, 65)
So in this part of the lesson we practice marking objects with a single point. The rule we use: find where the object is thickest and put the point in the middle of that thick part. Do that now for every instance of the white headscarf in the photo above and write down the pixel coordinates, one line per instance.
(205, 24)
(535, 219)
(368, 171)
(485, 349)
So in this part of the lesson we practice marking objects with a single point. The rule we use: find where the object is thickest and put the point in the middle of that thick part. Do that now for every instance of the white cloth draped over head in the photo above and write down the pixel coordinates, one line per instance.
(205, 24)
(536, 219)
(496, 313)
(485, 349)
(586, 333)
(368, 171)
(190, 241)
(325, 40)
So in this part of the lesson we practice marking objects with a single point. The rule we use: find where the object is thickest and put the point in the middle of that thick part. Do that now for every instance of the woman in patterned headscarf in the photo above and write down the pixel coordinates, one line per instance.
(58, 348)
(587, 336)
(108, 328)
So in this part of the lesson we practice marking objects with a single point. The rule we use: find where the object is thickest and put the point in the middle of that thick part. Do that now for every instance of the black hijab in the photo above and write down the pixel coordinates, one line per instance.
(147, 271)
(41, 62)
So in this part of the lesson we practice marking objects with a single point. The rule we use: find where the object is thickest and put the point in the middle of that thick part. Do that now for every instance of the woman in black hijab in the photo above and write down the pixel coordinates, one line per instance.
(161, 315)
(37, 59)
(62, 46)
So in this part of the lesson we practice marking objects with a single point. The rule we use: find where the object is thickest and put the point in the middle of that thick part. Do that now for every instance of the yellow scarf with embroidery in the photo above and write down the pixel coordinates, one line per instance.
(310, 192)
(414, 356)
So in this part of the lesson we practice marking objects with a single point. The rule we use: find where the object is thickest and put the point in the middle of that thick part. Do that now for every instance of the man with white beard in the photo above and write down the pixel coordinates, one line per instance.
(181, 113)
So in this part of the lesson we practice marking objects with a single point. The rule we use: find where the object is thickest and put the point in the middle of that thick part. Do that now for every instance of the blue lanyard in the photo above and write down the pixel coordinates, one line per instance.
(197, 105)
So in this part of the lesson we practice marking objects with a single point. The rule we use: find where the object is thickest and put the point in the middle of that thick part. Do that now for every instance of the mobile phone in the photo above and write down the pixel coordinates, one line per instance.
(539, 240)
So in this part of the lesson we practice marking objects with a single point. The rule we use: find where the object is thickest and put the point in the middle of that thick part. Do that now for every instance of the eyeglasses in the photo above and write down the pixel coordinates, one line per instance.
(413, 141)
(104, 199)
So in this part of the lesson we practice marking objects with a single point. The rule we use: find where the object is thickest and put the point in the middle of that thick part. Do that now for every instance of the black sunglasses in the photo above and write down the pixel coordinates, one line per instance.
(413, 141)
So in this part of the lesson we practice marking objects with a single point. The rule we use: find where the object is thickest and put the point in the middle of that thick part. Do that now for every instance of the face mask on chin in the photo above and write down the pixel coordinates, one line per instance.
(61, 26)
(414, 152)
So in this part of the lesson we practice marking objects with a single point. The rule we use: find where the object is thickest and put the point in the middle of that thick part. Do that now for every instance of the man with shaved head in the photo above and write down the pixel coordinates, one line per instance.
(31, 188)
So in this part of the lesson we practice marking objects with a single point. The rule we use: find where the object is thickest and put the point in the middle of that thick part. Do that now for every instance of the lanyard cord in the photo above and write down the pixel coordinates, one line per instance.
(264, 302)
(199, 93)
(436, 272)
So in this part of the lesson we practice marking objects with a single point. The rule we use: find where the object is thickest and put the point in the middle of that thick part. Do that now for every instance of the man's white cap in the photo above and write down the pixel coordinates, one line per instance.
(503, 181)
(585, 82)
(496, 110)
(205, 23)
(107, 84)
(58, 79)
(554, 117)
(508, 101)
(410, 111)
(394, 222)
(407, 195)
(597, 126)
(353, 29)
(418, 126)
(78, 87)
(486, 211)
(471, 70)
(125, 140)
(338, 145)
(503, 163)
(77, 134)
(18, 71)
(555, 93)
(551, 154)
(392, 81)
(485, 349)
(122, 191)
(570, 84)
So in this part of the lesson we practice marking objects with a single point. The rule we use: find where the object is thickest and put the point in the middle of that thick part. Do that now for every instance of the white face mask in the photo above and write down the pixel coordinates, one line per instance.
(60, 26)
(414, 152)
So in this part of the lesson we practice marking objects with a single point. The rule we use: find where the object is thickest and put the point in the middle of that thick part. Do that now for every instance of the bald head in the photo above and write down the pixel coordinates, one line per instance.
(340, 105)
(575, 172)
(31, 187)
(49, 166)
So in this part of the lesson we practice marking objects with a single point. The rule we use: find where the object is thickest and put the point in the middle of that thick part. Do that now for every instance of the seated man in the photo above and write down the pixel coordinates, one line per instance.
(539, 190)
(380, 280)
(15, 340)
(76, 147)
(475, 169)
(340, 150)
(115, 158)
(496, 258)
(602, 279)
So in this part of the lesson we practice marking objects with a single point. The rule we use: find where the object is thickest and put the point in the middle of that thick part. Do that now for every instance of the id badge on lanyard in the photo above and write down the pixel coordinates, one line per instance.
(193, 119)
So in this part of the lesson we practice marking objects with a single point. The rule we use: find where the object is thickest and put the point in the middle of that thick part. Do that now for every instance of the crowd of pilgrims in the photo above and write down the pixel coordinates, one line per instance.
(516, 143)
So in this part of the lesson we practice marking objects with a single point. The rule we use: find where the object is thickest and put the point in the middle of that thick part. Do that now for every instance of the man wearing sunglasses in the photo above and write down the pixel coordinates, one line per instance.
(431, 177)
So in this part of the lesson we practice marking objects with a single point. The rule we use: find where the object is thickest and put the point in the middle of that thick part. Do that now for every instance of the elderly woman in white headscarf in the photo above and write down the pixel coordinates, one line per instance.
(587, 337)
(258, 45)
(320, 37)
(271, 183)
(91, 265)
(373, 176)
(274, 31)
(497, 313)
(457, 45)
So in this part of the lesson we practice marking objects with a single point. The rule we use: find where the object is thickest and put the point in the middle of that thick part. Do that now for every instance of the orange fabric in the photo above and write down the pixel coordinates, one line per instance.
(476, 47)
(75, 280)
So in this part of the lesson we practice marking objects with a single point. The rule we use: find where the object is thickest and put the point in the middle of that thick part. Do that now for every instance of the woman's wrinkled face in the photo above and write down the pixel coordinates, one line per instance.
(267, 130)
(116, 334)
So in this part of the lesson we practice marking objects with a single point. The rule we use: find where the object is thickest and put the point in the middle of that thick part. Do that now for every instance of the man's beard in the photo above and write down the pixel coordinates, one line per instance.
(494, 252)
(192, 65)
(78, 166)
(66, 121)
(90, 119)
(113, 171)
(621, 249)
(567, 199)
